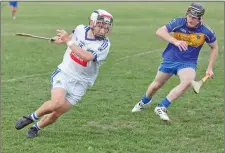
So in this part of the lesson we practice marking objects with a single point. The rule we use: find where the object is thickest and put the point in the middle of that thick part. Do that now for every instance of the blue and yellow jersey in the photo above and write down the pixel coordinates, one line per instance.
(195, 37)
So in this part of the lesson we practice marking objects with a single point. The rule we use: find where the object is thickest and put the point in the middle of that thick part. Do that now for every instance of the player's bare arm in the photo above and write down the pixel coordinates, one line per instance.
(83, 54)
(212, 58)
(165, 35)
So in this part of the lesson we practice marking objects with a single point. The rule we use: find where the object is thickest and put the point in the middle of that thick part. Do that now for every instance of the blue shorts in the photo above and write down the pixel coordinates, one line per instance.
(13, 3)
(171, 67)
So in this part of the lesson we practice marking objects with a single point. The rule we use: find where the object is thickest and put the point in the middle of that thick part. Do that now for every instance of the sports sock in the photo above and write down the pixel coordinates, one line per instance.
(164, 103)
(145, 99)
(36, 126)
(34, 116)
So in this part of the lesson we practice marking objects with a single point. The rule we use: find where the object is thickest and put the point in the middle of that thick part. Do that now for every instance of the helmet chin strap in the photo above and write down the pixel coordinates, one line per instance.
(98, 37)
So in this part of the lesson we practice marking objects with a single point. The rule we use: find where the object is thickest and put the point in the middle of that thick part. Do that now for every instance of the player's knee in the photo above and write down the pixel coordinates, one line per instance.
(157, 84)
(56, 115)
(57, 103)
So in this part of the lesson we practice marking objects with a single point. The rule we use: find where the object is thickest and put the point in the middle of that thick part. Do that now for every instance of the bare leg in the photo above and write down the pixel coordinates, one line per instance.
(52, 117)
(56, 102)
(48, 119)
(13, 10)
(160, 79)
(186, 75)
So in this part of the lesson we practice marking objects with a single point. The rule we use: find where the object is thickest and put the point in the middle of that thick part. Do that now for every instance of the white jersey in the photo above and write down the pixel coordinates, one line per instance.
(78, 68)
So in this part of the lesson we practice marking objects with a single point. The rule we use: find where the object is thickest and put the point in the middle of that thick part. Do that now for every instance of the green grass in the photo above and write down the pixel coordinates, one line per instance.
(103, 122)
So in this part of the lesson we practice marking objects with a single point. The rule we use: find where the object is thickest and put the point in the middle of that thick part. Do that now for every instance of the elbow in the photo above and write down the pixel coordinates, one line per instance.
(159, 32)
(88, 58)
(84, 55)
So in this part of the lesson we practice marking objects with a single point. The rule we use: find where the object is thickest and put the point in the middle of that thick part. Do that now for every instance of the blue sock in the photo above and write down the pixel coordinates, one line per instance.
(36, 126)
(146, 100)
(34, 116)
(164, 103)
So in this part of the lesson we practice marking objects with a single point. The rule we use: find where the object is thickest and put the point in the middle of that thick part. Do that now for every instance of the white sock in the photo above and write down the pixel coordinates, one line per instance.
(36, 125)
(34, 116)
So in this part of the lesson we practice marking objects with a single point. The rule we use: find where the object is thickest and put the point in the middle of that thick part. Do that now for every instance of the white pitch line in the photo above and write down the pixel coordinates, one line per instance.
(117, 62)
(41, 74)
(24, 77)
(139, 54)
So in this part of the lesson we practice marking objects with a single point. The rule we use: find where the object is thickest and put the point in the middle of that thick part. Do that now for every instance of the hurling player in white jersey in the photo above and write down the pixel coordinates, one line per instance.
(87, 48)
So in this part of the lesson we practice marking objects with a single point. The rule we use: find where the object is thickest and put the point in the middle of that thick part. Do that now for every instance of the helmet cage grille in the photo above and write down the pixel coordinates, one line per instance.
(105, 20)
(196, 12)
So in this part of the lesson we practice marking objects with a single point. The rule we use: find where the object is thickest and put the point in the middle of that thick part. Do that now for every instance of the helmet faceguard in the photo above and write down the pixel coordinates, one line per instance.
(101, 19)
(196, 10)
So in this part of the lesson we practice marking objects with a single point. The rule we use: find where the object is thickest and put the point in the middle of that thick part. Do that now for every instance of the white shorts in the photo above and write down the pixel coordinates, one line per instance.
(75, 89)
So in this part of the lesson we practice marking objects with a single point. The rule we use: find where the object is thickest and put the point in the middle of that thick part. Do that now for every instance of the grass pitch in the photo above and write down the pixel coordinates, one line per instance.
(102, 122)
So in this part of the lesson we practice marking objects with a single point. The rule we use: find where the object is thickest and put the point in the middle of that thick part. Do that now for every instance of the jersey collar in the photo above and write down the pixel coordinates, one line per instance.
(86, 38)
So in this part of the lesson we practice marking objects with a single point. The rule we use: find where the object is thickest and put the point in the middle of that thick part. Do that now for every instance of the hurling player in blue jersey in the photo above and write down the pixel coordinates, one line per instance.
(180, 57)
(13, 5)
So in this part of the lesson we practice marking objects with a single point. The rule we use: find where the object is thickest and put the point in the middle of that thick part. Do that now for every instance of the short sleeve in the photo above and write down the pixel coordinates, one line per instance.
(101, 52)
(77, 29)
(175, 23)
(210, 36)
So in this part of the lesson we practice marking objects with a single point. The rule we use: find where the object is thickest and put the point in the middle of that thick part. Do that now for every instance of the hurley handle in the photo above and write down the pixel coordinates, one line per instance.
(205, 78)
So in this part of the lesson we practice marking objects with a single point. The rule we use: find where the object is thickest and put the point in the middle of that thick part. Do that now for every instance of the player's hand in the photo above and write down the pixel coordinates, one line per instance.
(63, 36)
(182, 45)
(210, 73)
(57, 40)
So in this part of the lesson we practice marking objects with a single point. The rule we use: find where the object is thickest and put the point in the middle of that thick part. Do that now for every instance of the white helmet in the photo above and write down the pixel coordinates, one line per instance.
(102, 16)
